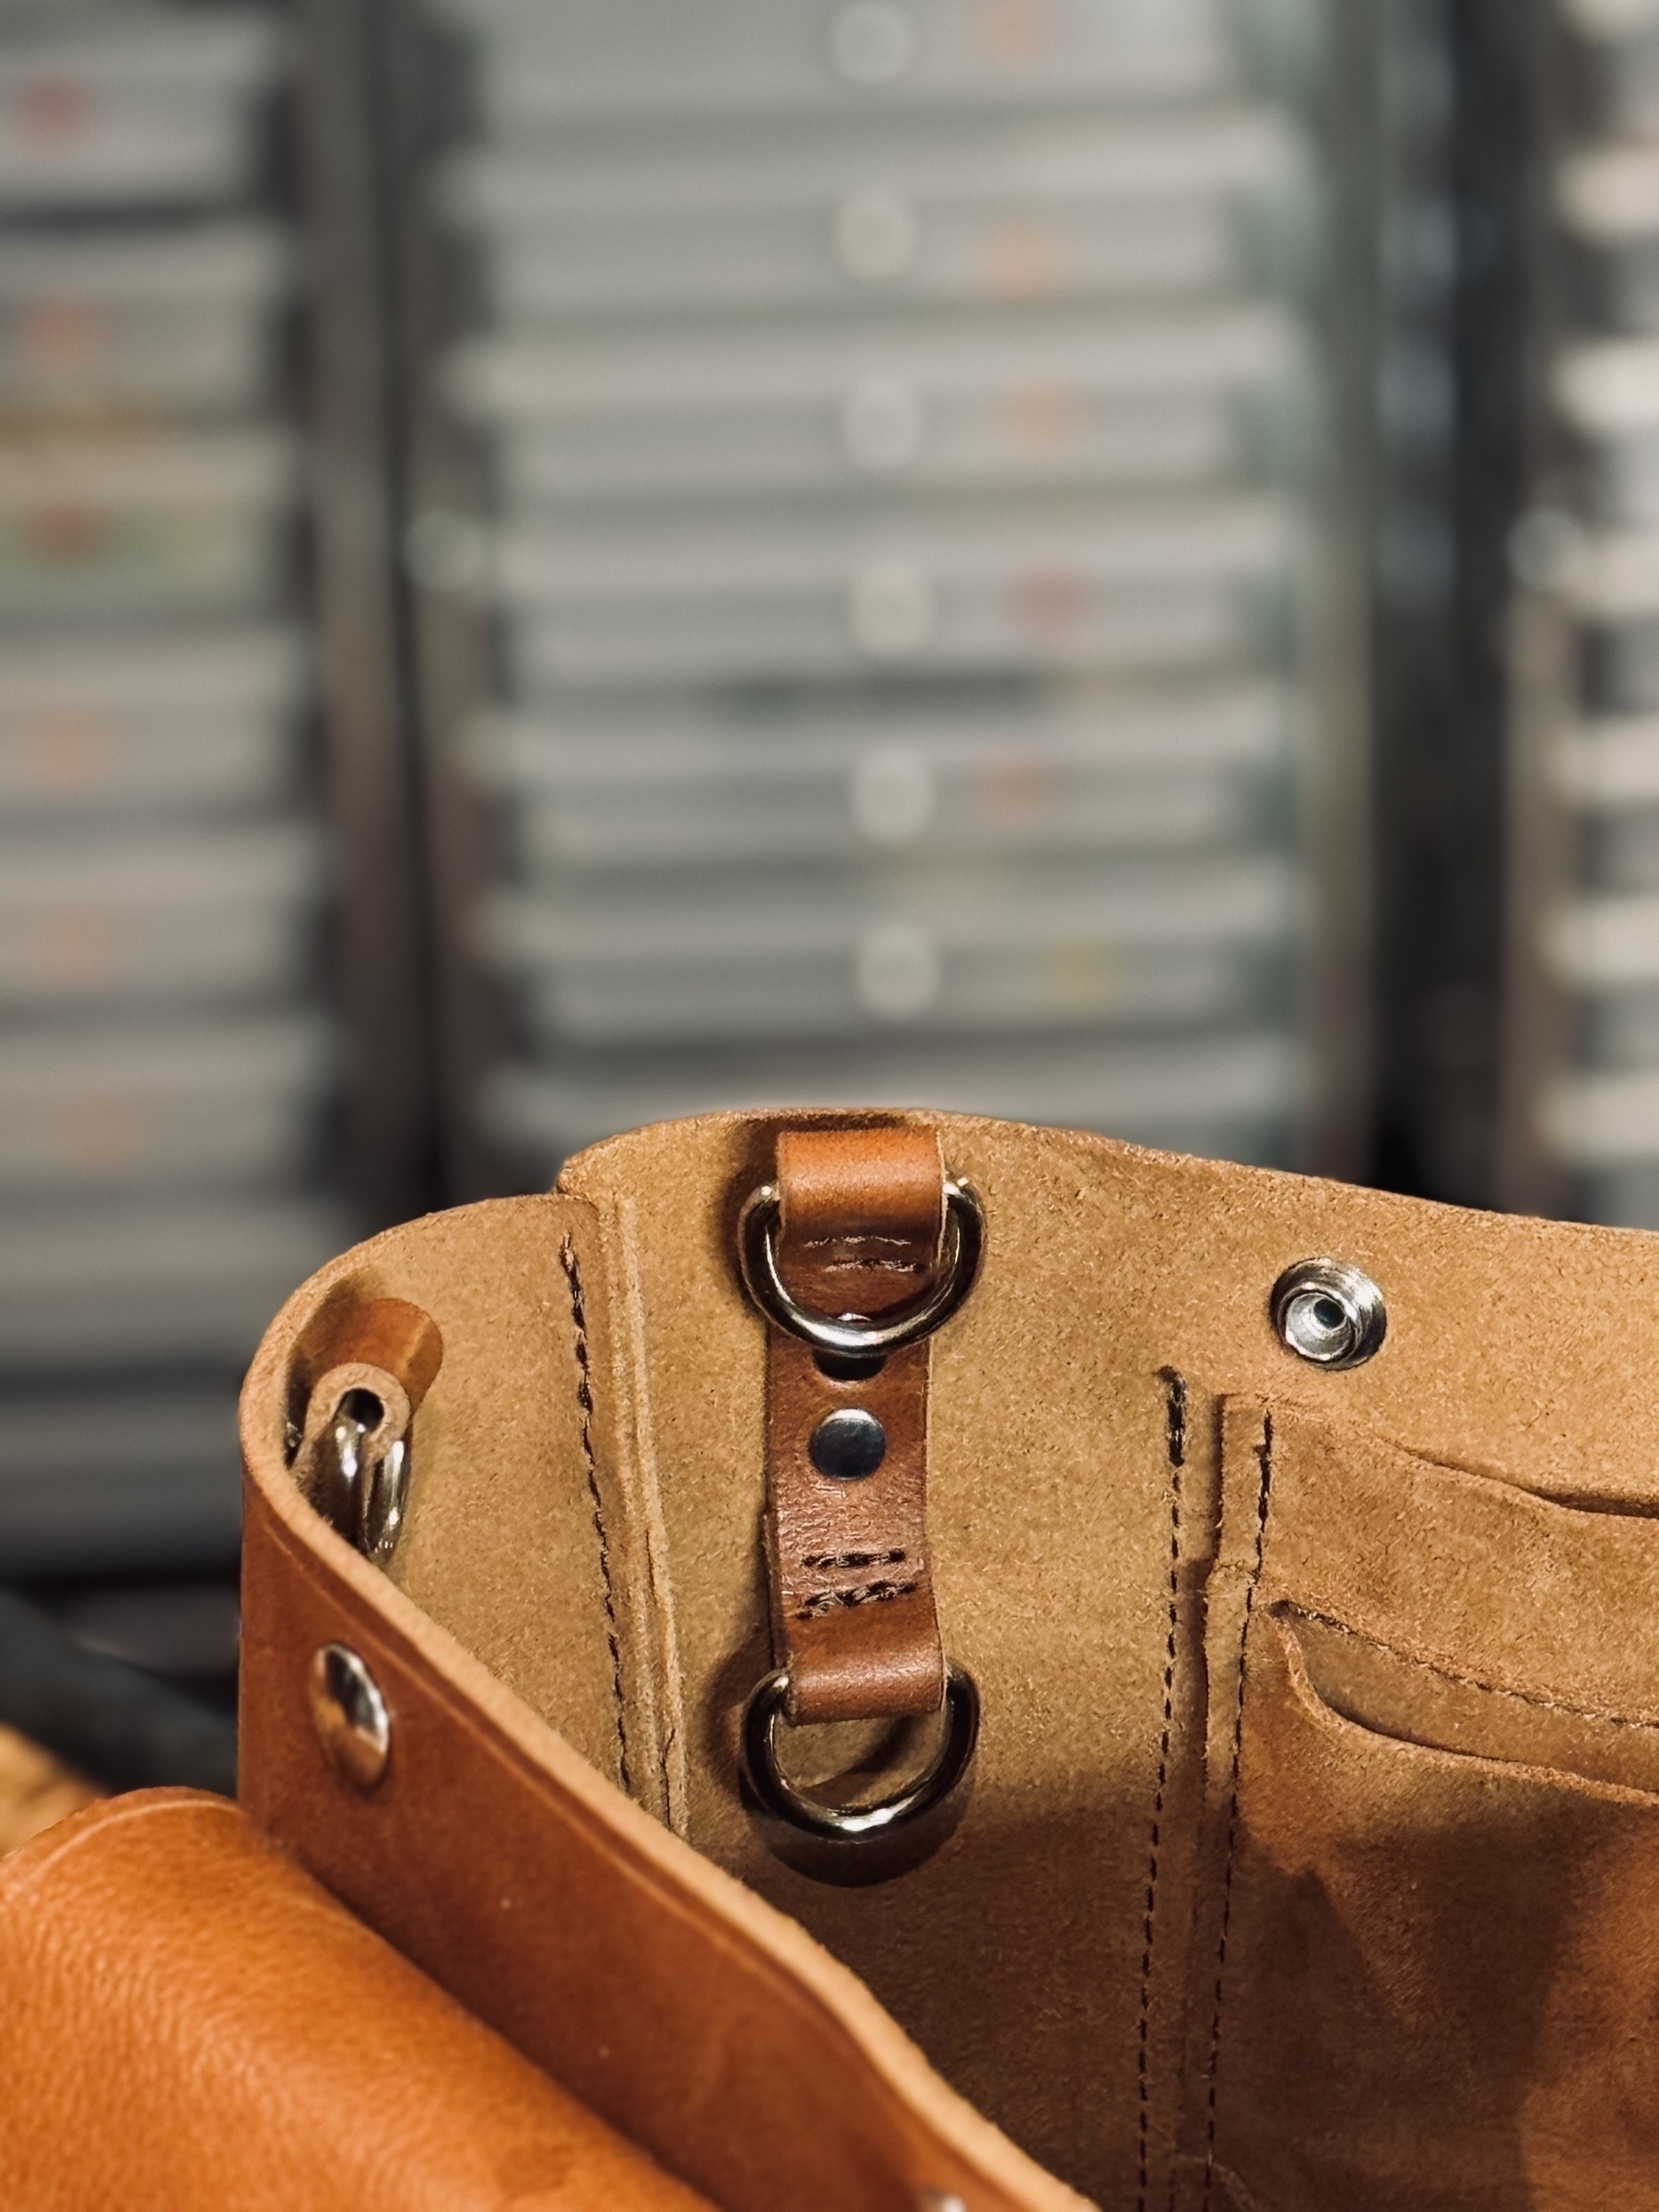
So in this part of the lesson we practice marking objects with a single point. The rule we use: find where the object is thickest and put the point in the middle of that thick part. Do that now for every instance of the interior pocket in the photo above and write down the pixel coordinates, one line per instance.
(1433, 1981)
(1429, 1703)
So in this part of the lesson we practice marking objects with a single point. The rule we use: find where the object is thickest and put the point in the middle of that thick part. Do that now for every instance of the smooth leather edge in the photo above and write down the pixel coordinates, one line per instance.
(682, 1880)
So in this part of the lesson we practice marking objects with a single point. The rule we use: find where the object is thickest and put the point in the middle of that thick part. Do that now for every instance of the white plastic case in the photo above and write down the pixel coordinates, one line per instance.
(551, 61)
(1009, 214)
(1107, 944)
(123, 916)
(1095, 774)
(203, 1102)
(190, 722)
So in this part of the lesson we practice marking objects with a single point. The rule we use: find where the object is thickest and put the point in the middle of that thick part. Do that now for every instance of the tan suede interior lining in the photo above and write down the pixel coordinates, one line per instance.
(585, 1519)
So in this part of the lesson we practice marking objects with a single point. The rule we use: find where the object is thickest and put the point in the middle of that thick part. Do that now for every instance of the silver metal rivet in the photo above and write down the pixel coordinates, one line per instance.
(350, 1714)
(1329, 1313)
(848, 1444)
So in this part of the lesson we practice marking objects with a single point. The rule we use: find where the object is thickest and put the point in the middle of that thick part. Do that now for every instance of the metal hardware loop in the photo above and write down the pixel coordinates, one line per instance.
(845, 1843)
(858, 1334)
(371, 1481)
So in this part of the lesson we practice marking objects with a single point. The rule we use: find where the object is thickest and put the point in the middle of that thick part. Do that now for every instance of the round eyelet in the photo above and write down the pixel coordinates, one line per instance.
(1329, 1313)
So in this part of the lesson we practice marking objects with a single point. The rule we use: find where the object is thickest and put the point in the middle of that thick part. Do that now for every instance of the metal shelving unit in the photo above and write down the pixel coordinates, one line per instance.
(885, 505)
(169, 1063)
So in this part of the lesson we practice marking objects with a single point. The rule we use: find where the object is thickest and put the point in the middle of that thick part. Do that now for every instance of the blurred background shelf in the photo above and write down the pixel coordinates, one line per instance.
(170, 1056)
(886, 508)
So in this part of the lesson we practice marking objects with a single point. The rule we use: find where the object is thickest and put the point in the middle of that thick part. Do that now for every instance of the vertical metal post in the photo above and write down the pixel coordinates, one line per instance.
(1457, 114)
(381, 959)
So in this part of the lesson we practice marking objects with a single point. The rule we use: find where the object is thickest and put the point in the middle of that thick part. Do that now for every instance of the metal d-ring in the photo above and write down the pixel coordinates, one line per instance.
(859, 1844)
(855, 1334)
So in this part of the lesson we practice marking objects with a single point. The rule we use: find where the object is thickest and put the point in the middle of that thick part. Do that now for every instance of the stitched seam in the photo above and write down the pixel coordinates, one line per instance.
(584, 1398)
(1448, 1673)
(822, 1560)
(871, 1593)
(1264, 1454)
(1175, 1446)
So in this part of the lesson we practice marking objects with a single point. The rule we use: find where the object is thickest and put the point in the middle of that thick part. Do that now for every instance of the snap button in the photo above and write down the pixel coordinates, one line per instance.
(350, 1715)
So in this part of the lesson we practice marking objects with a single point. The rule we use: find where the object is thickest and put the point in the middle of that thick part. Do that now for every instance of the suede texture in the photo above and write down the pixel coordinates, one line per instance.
(1437, 1977)
(1306, 1866)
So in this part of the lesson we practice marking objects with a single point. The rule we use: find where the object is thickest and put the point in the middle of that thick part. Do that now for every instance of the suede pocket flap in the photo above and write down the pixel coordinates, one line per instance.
(1469, 1583)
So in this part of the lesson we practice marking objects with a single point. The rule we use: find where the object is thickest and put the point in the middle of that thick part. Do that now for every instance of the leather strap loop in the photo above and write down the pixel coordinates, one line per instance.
(861, 1223)
(387, 1353)
(861, 1217)
(386, 1332)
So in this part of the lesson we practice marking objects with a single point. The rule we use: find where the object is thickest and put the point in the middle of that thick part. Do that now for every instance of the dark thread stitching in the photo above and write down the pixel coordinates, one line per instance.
(584, 1398)
(1447, 1674)
(1265, 1456)
(1175, 1445)
(871, 1593)
(821, 1561)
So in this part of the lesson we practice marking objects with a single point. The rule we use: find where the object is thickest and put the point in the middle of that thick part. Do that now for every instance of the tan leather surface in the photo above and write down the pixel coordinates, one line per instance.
(36, 1790)
(191, 2025)
(1160, 1806)
(1441, 1951)
(861, 1218)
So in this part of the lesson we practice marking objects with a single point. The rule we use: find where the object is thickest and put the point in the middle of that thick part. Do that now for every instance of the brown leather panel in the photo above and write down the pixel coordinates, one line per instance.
(1072, 1547)
(854, 1617)
(861, 1215)
(668, 1997)
(188, 2024)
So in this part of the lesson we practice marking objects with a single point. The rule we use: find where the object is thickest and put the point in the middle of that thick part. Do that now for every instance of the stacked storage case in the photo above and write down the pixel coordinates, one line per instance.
(165, 1060)
(911, 565)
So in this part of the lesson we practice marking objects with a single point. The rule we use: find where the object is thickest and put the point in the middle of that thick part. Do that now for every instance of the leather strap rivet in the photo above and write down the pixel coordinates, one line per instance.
(350, 1715)
(848, 1444)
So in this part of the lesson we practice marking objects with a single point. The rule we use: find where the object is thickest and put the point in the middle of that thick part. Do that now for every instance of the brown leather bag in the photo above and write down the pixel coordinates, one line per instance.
(1292, 1545)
